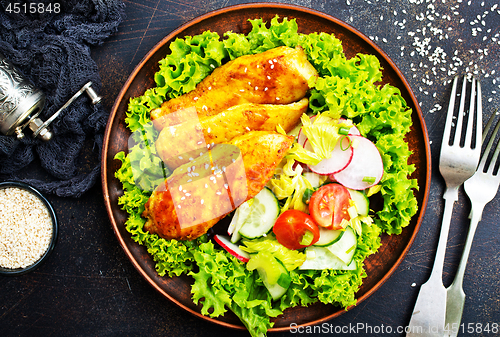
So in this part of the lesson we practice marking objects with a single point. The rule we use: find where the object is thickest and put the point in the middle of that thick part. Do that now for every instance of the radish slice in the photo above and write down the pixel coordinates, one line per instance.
(233, 249)
(301, 137)
(354, 131)
(338, 160)
(366, 167)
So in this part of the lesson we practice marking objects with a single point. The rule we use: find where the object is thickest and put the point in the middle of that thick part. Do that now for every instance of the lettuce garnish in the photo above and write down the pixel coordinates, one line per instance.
(346, 88)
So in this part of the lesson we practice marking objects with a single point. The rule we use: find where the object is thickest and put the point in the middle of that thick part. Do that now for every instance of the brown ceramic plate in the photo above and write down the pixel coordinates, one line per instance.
(379, 266)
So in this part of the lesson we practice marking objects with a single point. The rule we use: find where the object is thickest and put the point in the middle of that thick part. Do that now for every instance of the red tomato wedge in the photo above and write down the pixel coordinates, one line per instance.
(292, 226)
(328, 205)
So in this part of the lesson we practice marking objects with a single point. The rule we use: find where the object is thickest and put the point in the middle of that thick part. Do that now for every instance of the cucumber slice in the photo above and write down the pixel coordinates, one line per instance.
(328, 236)
(360, 201)
(272, 272)
(263, 214)
(319, 258)
(345, 248)
(239, 217)
(276, 290)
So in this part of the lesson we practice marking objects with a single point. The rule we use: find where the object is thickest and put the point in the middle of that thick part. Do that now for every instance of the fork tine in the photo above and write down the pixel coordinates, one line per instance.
(461, 110)
(475, 99)
(488, 125)
(449, 116)
(482, 164)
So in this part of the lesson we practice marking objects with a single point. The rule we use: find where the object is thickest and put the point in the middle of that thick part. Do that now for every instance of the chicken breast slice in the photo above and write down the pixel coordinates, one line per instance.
(181, 143)
(278, 76)
(198, 194)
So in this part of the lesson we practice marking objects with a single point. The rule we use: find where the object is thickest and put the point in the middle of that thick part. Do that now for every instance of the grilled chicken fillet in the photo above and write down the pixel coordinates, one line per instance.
(198, 194)
(179, 144)
(277, 76)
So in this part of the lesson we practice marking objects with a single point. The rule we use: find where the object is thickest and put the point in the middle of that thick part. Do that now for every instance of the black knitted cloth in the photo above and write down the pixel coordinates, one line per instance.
(53, 51)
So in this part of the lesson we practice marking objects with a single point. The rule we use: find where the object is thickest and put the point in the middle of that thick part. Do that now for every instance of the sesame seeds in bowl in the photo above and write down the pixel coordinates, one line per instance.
(28, 228)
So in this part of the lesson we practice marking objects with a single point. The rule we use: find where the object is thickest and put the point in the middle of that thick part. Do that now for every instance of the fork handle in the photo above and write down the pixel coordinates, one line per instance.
(450, 196)
(455, 294)
(477, 211)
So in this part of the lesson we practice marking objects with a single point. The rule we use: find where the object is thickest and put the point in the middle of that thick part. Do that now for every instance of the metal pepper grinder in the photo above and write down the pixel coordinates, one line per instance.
(21, 103)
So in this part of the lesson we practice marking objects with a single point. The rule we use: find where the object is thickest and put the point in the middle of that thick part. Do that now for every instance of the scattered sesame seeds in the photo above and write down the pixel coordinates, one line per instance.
(424, 44)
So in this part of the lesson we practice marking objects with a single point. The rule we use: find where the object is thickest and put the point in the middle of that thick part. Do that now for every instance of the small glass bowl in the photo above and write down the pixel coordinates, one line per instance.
(55, 229)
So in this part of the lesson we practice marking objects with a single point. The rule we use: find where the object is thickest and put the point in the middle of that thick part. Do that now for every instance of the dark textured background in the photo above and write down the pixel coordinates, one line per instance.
(89, 288)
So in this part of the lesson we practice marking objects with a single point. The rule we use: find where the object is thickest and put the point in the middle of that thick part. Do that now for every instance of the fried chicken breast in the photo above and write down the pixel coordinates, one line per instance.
(179, 144)
(277, 76)
(198, 194)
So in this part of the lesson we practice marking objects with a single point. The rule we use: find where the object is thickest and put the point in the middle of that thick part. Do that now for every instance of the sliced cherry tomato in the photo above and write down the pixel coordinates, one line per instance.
(293, 227)
(328, 205)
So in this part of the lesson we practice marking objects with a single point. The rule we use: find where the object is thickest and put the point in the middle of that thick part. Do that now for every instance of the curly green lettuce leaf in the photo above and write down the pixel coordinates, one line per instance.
(324, 51)
(190, 61)
(223, 282)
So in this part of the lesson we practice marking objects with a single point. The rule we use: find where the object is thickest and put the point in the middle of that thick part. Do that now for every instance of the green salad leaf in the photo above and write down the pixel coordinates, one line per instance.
(291, 259)
(346, 88)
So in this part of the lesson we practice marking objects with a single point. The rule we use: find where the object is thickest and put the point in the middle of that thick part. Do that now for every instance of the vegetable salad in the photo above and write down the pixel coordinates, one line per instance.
(347, 89)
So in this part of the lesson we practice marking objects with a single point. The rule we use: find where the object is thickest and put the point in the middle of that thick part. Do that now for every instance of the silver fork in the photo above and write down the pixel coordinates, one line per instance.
(481, 188)
(456, 163)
